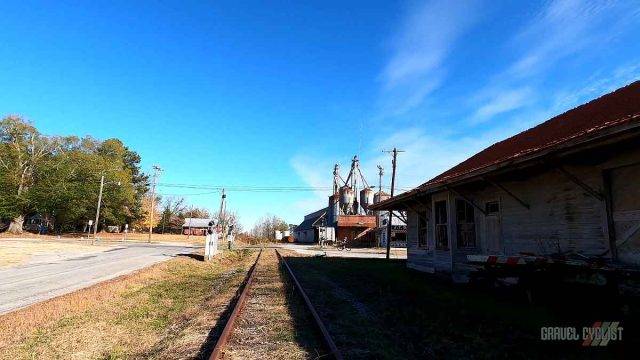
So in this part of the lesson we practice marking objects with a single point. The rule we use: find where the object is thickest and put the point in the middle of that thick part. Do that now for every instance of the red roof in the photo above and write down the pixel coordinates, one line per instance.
(616, 108)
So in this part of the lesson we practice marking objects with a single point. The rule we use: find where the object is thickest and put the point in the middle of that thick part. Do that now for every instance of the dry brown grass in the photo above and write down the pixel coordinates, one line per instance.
(274, 323)
(157, 312)
(18, 252)
(104, 236)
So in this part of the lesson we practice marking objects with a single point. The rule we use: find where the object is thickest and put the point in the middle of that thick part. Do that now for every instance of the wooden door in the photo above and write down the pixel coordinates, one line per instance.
(625, 208)
(493, 228)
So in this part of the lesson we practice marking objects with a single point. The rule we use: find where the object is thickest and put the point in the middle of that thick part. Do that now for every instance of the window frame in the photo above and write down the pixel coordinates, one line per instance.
(465, 224)
(422, 231)
(489, 212)
(441, 236)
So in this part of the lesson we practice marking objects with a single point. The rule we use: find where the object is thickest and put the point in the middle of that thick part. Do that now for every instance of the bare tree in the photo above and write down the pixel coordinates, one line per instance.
(265, 228)
(231, 218)
(171, 208)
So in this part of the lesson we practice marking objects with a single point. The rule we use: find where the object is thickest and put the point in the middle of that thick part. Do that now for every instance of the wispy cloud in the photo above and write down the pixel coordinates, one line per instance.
(563, 29)
(429, 154)
(594, 86)
(426, 37)
(315, 173)
(505, 102)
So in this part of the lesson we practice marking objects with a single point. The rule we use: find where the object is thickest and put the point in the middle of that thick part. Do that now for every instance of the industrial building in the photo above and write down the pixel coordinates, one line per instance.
(565, 189)
(311, 228)
(348, 216)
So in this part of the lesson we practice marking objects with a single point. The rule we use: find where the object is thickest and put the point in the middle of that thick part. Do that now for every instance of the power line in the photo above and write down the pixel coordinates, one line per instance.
(250, 188)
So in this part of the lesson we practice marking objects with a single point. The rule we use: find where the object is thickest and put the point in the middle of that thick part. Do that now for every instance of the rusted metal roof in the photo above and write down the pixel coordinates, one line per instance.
(356, 221)
(615, 109)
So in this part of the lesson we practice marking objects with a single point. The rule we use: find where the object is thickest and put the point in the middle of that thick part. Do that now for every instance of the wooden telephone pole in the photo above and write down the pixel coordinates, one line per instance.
(156, 171)
(394, 153)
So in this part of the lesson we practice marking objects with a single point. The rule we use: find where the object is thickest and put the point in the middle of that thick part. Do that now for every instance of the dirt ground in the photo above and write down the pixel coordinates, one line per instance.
(166, 311)
(274, 323)
(332, 251)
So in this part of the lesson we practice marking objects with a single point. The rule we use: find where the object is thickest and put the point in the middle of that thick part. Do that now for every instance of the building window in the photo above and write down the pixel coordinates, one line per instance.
(492, 208)
(465, 224)
(441, 225)
(422, 229)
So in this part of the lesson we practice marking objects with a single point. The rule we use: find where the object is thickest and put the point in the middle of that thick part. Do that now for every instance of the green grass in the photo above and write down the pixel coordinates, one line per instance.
(380, 309)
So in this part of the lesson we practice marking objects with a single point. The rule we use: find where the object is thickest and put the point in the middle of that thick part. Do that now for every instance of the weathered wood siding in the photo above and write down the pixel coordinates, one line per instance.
(563, 217)
(420, 258)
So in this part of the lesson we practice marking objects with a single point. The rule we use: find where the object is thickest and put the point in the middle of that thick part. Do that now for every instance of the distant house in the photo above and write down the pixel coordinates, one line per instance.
(36, 223)
(312, 227)
(569, 186)
(195, 226)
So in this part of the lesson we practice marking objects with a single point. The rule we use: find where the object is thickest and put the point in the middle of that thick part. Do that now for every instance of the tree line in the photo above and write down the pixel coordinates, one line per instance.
(58, 177)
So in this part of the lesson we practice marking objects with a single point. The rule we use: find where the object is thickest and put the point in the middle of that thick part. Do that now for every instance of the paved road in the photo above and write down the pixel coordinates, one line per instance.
(27, 284)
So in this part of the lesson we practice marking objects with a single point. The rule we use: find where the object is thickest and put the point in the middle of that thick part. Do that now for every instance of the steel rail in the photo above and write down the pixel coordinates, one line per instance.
(228, 327)
(323, 329)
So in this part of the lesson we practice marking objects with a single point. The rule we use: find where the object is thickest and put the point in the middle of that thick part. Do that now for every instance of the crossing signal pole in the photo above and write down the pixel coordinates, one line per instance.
(221, 216)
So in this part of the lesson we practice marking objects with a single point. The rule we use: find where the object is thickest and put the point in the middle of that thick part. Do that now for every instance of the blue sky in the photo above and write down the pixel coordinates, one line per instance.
(249, 93)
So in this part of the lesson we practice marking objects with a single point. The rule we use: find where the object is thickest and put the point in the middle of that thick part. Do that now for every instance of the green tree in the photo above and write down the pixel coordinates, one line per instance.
(60, 177)
(22, 150)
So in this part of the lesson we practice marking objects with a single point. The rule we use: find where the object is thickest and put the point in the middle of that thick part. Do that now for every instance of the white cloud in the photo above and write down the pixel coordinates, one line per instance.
(427, 35)
(503, 102)
(562, 29)
(427, 155)
(595, 86)
(315, 173)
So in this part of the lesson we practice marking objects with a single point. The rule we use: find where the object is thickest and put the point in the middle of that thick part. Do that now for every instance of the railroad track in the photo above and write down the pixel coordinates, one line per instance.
(223, 340)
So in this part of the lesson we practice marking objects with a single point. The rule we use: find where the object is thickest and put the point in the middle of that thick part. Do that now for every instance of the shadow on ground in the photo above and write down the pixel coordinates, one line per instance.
(193, 256)
(376, 308)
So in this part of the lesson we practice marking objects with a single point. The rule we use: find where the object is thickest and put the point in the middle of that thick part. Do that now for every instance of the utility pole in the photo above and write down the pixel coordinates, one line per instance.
(380, 173)
(156, 171)
(377, 213)
(394, 153)
(95, 225)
